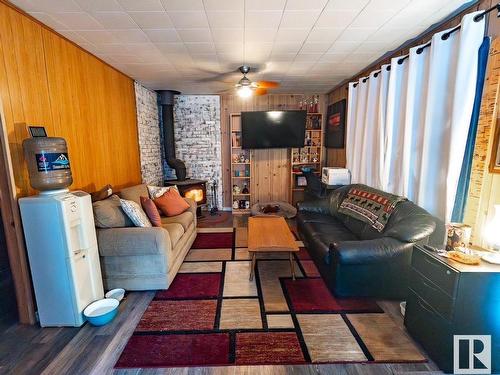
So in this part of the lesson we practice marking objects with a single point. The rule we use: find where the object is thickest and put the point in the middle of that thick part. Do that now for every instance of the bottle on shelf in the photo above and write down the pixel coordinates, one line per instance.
(245, 189)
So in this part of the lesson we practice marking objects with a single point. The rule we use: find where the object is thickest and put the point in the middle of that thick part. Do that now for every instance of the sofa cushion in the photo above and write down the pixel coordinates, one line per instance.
(134, 193)
(176, 231)
(315, 217)
(108, 213)
(135, 213)
(185, 219)
(150, 209)
(158, 191)
(171, 203)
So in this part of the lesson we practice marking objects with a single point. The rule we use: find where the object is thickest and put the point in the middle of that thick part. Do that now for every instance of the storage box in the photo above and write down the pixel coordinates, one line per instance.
(335, 176)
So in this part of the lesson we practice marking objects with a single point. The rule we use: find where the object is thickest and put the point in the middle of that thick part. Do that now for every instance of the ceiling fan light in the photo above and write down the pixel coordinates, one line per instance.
(244, 92)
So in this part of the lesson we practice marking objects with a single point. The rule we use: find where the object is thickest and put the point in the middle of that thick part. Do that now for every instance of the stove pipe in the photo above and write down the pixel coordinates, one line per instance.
(167, 113)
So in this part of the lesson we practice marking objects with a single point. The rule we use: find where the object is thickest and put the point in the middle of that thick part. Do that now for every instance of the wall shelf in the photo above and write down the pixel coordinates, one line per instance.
(314, 134)
(241, 167)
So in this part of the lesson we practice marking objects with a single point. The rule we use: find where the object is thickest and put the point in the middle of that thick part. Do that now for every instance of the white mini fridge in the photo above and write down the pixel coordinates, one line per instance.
(62, 250)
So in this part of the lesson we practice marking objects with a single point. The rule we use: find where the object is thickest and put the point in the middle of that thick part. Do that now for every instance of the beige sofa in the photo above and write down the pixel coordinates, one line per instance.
(136, 258)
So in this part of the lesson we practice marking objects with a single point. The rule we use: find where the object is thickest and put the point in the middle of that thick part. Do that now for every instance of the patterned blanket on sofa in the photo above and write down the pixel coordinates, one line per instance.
(370, 205)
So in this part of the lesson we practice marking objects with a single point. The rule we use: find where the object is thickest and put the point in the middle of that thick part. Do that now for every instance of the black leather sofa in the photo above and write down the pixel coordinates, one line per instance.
(355, 259)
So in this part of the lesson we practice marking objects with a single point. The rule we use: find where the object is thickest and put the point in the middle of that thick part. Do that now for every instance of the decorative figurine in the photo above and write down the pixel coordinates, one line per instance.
(242, 158)
(247, 205)
(236, 189)
(235, 204)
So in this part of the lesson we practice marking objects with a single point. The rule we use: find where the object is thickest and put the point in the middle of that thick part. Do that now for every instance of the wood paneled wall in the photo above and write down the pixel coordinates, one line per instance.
(337, 158)
(47, 80)
(270, 168)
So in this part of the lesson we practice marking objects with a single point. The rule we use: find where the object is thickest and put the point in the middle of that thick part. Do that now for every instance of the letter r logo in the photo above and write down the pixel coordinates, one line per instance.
(472, 354)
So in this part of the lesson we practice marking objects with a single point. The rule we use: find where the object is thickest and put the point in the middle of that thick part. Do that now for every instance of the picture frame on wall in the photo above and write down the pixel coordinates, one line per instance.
(495, 152)
(335, 125)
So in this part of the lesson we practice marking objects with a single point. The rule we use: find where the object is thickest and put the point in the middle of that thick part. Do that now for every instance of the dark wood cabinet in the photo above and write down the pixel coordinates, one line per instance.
(447, 298)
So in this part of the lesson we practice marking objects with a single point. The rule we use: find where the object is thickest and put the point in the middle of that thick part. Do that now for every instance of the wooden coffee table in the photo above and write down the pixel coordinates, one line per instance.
(270, 234)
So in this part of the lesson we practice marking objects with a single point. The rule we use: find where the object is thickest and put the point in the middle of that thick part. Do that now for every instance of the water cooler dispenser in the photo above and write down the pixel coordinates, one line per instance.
(60, 237)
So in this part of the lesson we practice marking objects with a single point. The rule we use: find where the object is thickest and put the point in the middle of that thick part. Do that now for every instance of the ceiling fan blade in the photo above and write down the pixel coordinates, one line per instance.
(260, 91)
(268, 84)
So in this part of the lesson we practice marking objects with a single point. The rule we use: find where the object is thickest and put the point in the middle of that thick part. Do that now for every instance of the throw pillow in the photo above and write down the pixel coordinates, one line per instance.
(108, 213)
(370, 205)
(150, 209)
(135, 213)
(158, 191)
(102, 194)
(171, 203)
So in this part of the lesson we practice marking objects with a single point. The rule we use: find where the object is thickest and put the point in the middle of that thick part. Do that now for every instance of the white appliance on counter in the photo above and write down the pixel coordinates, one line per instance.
(335, 176)
(64, 260)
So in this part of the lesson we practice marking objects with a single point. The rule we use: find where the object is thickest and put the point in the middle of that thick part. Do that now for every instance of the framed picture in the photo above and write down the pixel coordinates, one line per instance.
(301, 181)
(495, 152)
(335, 125)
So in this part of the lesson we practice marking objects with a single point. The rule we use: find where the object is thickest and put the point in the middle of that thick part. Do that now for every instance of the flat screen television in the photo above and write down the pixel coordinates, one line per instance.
(273, 129)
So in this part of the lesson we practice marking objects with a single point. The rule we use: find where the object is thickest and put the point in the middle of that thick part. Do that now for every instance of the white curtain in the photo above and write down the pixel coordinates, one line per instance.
(407, 126)
(352, 98)
(394, 131)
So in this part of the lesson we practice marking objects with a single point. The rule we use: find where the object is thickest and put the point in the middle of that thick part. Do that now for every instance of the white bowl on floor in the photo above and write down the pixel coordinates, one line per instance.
(117, 294)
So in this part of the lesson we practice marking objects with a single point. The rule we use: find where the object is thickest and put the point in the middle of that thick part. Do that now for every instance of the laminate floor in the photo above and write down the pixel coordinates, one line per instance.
(94, 350)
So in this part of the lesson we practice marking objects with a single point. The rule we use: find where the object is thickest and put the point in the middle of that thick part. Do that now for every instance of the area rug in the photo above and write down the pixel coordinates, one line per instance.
(212, 315)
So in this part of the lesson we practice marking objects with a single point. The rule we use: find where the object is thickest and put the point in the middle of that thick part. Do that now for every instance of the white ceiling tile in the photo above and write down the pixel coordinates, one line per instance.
(387, 4)
(281, 58)
(198, 48)
(387, 35)
(286, 47)
(98, 5)
(355, 5)
(262, 5)
(162, 35)
(314, 47)
(98, 36)
(291, 35)
(356, 34)
(152, 20)
(224, 48)
(216, 5)
(227, 35)
(28, 6)
(141, 47)
(112, 49)
(305, 4)
(195, 35)
(311, 57)
(187, 20)
(324, 34)
(172, 48)
(266, 20)
(372, 18)
(77, 20)
(46, 19)
(130, 36)
(299, 19)
(143, 5)
(359, 57)
(341, 18)
(125, 59)
(260, 35)
(372, 47)
(171, 5)
(52, 6)
(225, 19)
(343, 47)
(115, 20)
(332, 57)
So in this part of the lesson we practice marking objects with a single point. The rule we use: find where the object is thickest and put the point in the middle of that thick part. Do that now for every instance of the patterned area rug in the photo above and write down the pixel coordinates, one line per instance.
(212, 315)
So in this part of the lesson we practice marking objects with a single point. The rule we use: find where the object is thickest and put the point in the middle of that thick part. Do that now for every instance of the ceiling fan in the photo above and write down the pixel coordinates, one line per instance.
(245, 87)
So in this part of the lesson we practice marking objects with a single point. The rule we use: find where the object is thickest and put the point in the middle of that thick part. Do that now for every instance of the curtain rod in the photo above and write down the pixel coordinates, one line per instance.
(446, 35)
